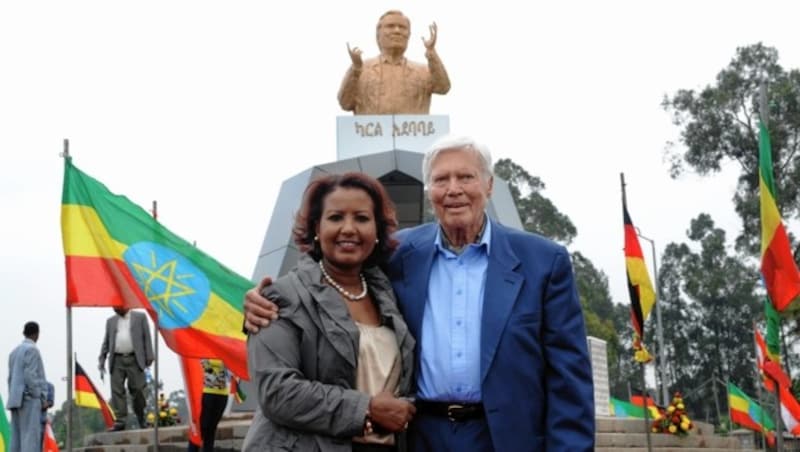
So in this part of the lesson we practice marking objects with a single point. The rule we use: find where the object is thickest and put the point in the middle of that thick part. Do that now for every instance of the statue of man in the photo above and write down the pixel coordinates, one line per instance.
(390, 84)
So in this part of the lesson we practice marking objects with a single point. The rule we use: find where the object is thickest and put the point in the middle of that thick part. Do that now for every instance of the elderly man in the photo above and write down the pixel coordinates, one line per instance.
(129, 349)
(502, 359)
(390, 84)
(27, 392)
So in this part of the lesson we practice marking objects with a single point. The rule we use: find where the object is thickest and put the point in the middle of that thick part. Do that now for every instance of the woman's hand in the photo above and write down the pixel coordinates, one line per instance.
(389, 412)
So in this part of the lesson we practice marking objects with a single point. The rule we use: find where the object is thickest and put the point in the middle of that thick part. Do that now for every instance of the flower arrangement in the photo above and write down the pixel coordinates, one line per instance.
(167, 414)
(675, 420)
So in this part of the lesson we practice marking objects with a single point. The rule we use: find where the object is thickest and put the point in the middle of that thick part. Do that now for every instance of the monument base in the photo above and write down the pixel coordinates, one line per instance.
(230, 437)
(613, 435)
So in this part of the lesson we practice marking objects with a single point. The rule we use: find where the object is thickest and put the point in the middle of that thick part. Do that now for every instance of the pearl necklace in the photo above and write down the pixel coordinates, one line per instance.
(341, 289)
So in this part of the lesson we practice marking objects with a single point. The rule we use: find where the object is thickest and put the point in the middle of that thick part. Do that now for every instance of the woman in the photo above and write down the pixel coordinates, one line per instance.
(213, 402)
(331, 370)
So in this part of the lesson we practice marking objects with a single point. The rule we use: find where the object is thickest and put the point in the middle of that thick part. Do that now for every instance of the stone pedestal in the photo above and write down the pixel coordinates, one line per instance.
(369, 134)
(599, 357)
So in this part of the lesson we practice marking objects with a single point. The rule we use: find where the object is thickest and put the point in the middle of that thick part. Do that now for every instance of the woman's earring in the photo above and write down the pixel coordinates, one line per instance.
(316, 238)
(377, 241)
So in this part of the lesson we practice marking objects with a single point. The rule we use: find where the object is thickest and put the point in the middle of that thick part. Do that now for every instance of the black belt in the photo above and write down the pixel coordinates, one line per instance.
(124, 354)
(456, 412)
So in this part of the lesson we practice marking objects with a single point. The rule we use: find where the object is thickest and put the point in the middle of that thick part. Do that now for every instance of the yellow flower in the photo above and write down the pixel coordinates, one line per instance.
(151, 417)
(670, 409)
(655, 429)
(680, 406)
(162, 414)
(684, 426)
(672, 428)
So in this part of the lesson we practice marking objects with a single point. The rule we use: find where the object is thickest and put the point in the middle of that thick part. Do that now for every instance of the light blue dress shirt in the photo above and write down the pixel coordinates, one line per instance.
(451, 323)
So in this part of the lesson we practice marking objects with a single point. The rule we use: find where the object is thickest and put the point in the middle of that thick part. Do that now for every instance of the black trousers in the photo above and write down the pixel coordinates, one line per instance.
(213, 405)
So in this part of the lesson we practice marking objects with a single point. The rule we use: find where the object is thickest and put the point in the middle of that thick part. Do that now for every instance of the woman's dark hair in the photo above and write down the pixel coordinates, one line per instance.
(310, 214)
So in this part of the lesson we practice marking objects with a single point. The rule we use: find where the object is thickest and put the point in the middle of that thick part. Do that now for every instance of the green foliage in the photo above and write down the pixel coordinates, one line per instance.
(537, 213)
(85, 422)
(540, 215)
(708, 306)
(598, 309)
(720, 123)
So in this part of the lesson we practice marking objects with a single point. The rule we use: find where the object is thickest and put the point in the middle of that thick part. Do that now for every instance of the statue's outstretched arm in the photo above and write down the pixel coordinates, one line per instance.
(349, 89)
(440, 82)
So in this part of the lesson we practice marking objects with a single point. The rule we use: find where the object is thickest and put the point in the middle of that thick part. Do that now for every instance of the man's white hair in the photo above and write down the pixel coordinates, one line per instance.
(452, 143)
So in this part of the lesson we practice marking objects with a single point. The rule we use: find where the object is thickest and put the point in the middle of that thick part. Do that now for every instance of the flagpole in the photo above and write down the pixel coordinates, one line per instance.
(65, 156)
(157, 410)
(77, 418)
(647, 426)
(662, 371)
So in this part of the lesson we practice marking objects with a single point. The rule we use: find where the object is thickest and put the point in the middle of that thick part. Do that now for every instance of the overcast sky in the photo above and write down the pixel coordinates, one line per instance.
(207, 107)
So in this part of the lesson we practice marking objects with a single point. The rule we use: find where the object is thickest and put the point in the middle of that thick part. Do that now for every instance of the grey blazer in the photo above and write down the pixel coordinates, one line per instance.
(140, 336)
(304, 364)
(25, 375)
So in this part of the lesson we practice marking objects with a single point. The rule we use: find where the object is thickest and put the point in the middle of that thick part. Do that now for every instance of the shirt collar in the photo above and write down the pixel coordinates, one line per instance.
(385, 60)
(482, 238)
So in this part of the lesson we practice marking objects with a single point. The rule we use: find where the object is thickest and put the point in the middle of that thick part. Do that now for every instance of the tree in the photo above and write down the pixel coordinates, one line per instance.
(86, 421)
(720, 123)
(598, 313)
(709, 300)
(541, 216)
(537, 213)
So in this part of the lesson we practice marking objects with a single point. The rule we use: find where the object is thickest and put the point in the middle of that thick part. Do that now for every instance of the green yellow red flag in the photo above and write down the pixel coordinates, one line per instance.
(781, 277)
(5, 429)
(118, 255)
(745, 412)
(772, 343)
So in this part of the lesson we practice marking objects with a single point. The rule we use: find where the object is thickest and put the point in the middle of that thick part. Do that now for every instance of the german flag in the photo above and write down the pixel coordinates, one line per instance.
(87, 395)
(118, 255)
(778, 267)
(640, 289)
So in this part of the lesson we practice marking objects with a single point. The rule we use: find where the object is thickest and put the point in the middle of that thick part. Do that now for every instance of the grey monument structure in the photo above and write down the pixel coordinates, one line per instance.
(400, 171)
(379, 155)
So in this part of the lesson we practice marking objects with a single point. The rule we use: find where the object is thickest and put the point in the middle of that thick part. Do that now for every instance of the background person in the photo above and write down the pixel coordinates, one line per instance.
(213, 403)
(27, 392)
(49, 402)
(129, 349)
(330, 372)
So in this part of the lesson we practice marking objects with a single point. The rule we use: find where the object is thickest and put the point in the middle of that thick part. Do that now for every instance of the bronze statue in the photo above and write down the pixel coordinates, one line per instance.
(390, 84)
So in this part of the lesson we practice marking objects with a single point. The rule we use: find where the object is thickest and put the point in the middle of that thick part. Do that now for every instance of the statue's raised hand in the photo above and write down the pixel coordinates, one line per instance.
(430, 42)
(355, 56)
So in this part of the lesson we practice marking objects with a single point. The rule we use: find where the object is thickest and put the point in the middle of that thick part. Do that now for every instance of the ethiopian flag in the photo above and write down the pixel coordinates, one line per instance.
(633, 409)
(5, 429)
(87, 395)
(781, 277)
(761, 359)
(117, 254)
(640, 289)
(747, 413)
(622, 409)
